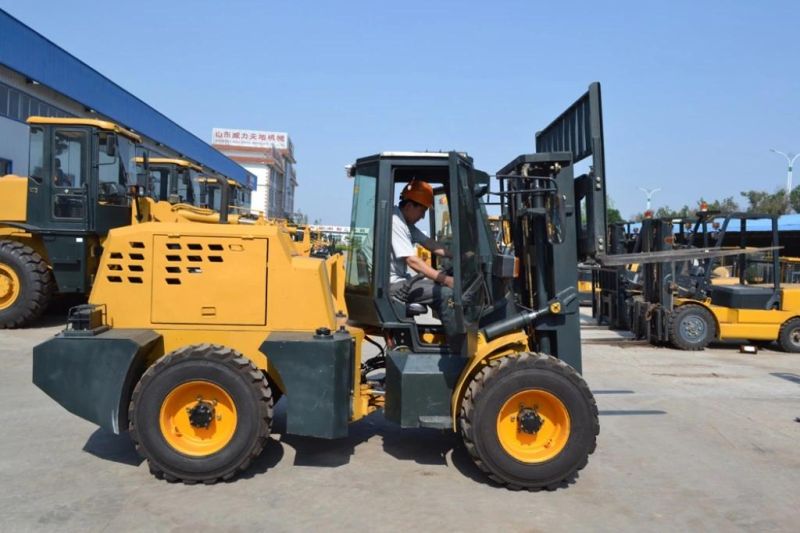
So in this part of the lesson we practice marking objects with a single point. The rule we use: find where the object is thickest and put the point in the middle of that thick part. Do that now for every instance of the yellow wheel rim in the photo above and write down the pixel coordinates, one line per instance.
(9, 286)
(533, 426)
(198, 418)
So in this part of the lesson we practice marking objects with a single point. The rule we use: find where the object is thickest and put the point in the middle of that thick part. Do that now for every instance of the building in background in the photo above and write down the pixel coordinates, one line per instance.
(39, 78)
(270, 156)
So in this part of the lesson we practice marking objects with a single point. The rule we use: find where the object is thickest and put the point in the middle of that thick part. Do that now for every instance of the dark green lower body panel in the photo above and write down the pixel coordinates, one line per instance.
(69, 258)
(317, 373)
(92, 376)
(419, 388)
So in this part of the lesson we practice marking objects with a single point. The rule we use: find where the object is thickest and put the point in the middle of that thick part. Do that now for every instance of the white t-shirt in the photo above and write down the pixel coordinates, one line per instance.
(404, 237)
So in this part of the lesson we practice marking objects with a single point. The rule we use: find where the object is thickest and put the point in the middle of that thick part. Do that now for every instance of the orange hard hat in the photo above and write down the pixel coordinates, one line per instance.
(418, 191)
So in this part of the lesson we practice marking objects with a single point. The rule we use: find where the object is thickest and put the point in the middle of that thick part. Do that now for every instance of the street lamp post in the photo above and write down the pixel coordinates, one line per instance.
(649, 194)
(790, 157)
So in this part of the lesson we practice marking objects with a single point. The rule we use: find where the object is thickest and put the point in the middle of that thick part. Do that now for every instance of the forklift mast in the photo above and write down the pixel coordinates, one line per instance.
(557, 220)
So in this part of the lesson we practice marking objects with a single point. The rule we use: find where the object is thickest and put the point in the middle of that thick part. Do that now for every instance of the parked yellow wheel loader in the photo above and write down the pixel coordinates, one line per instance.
(194, 330)
(52, 222)
(83, 182)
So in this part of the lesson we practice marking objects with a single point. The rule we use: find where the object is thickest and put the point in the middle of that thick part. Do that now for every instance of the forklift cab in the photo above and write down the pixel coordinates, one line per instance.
(457, 215)
(172, 180)
(81, 172)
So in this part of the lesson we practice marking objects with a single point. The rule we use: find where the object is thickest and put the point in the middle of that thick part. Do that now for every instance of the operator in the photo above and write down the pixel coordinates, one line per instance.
(60, 179)
(431, 287)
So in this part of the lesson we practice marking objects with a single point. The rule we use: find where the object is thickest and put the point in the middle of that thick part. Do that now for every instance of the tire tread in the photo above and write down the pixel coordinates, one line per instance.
(42, 284)
(490, 373)
(240, 364)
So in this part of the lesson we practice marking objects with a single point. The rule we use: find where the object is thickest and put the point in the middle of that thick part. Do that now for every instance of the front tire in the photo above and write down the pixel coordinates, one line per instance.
(201, 414)
(529, 421)
(692, 327)
(789, 336)
(26, 285)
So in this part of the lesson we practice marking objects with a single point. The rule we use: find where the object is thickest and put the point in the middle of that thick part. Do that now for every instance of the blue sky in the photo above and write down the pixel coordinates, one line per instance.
(694, 93)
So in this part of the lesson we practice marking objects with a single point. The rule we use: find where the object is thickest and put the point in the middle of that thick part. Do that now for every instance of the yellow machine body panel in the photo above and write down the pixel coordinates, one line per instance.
(298, 292)
(192, 283)
(275, 288)
(790, 297)
(14, 192)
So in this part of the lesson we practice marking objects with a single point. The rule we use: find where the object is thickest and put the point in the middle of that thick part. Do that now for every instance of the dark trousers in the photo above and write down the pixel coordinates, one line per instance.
(439, 298)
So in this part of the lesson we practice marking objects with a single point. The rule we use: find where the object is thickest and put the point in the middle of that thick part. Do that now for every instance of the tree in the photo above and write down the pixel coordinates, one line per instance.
(612, 213)
(725, 206)
(794, 199)
(767, 203)
(666, 212)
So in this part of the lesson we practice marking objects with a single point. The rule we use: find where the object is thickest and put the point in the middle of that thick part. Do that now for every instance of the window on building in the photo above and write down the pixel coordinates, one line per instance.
(3, 100)
(17, 105)
(13, 105)
(6, 167)
(25, 105)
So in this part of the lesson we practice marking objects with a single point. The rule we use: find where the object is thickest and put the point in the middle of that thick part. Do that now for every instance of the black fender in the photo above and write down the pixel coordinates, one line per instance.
(93, 375)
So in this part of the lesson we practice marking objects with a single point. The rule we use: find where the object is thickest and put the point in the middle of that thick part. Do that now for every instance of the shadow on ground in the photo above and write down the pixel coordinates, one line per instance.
(110, 447)
(420, 445)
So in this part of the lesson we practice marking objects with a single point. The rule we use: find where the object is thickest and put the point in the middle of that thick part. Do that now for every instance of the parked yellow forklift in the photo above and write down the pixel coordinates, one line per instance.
(193, 331)
(691, 303)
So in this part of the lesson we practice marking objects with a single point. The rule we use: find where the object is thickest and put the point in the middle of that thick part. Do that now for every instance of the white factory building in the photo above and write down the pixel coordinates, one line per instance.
(270, 156)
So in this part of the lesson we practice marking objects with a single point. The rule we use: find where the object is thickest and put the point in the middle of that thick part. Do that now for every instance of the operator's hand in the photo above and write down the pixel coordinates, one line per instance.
(444, 279)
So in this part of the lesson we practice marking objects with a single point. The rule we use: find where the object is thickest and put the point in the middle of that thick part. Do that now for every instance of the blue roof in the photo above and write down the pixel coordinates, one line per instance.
(785, 223)
(32, 55)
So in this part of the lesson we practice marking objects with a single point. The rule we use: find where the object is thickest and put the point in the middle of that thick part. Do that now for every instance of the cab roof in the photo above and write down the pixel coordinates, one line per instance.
(101, 124)
(171, 161)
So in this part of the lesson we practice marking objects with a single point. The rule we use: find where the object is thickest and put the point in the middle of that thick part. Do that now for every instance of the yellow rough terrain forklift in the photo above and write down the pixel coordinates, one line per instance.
(194, 330)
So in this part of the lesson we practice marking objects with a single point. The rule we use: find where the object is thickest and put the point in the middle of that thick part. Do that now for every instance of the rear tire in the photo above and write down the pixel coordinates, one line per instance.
(691, 327)
(26, 285)
(789, 336)
(548, 394)
(201, 414)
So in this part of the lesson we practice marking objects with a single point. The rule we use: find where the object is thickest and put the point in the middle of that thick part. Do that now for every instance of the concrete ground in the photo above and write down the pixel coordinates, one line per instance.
(688, 441)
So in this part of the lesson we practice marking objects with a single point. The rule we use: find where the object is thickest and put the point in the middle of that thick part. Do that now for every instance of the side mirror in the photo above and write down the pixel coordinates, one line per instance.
(111, 145)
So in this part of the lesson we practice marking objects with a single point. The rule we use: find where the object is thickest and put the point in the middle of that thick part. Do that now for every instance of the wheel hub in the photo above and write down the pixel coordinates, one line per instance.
(9, 286)
(201, 414)
(529, 421)
(533, 426)
(5, 286)
(693, 327)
